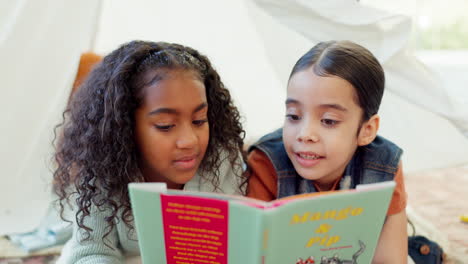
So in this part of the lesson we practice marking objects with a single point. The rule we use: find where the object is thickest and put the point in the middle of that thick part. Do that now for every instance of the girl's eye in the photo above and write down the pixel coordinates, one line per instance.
(164, 128)
(329, 122)
(199, 122)
(292, 117)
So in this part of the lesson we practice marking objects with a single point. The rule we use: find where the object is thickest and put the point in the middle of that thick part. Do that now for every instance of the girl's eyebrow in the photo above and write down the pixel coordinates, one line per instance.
(292, 101)
(334, 106)
(200, 107)
(165, 110)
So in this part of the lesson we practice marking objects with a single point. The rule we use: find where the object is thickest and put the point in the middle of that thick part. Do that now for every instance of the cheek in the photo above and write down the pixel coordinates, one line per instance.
(342, 143)
(203, 138)
(155, 145)
(151, 144)
(289, 136)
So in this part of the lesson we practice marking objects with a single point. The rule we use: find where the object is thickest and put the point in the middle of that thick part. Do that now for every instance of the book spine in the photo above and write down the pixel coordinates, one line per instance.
(246, 236)
(266, 237)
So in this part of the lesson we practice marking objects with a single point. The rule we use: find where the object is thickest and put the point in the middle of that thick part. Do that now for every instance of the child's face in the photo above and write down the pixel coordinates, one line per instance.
(172, 129)
(321, 128)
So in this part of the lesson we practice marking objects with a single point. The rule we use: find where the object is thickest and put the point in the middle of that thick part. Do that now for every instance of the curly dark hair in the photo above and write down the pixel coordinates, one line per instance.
(96, 153)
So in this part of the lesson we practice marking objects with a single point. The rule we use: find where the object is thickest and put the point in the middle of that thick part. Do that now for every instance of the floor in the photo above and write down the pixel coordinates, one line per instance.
(440, 197)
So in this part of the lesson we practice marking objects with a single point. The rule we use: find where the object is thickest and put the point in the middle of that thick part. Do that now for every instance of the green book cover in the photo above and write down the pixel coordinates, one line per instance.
(182, 227)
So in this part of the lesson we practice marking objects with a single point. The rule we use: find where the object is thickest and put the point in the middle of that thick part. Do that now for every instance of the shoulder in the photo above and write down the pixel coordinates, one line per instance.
(275, 137)
(229, 177)
(262, 182)
(257, 159)
(381, 143)
(81, 248)
(381, 154)
(271, 145)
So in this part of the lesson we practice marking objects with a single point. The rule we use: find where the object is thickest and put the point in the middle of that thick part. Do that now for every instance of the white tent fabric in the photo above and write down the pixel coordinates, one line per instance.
(40, 45)
(386, 35)
(253, 44)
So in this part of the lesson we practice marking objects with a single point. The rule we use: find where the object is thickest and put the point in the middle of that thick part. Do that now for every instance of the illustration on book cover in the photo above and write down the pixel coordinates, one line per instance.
(335, 259)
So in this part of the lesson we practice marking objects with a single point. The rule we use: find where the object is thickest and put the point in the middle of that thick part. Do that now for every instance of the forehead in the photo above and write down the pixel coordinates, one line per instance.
(309, 88)
(174, 89)
(150, 76)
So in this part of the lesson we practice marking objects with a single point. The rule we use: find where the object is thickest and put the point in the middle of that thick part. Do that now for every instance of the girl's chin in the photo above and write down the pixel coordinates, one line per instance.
(183, 178)
(308, 173)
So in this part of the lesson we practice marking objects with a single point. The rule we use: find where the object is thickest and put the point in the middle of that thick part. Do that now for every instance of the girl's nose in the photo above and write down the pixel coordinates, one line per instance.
(307, 134)
(187, 139)
(308, 138)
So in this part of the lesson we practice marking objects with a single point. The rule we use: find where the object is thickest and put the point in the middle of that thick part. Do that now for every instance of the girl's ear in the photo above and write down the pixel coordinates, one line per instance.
(368, 130)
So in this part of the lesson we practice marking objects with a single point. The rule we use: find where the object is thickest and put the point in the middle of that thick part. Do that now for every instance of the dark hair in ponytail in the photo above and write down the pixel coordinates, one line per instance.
(352, 63)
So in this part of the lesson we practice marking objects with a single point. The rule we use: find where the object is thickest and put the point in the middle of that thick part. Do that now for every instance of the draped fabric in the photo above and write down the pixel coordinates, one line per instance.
(40, 47)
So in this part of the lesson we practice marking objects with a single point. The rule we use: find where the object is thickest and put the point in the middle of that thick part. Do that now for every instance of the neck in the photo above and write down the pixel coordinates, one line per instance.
(169, 184)
(326, 186)
(150, 176)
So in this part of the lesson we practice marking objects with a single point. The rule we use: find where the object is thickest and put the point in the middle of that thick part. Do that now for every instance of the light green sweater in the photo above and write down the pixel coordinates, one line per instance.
(94, 251)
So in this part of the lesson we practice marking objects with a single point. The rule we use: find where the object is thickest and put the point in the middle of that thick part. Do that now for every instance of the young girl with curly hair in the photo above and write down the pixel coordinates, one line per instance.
(149, 112)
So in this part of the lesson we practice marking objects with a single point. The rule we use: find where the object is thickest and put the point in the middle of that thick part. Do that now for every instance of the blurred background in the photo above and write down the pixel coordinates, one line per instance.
(422, 44)
(439, 38)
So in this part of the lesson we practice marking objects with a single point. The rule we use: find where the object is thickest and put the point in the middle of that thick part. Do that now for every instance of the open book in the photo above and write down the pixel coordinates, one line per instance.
(181, 227)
